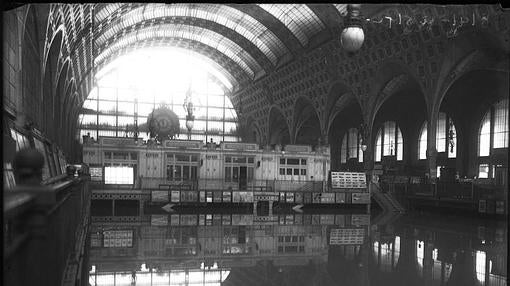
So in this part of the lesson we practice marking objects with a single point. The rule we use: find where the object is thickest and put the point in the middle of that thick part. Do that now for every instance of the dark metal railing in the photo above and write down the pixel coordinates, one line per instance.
(41, 228)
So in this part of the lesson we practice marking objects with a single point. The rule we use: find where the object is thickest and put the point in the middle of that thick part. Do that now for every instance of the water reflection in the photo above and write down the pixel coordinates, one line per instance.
(296, 249)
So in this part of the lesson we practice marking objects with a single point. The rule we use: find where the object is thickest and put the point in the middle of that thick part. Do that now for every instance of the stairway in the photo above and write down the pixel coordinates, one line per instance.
(387, 202)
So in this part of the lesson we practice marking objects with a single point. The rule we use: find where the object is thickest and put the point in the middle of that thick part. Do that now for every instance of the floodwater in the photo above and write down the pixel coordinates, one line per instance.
(294, 248)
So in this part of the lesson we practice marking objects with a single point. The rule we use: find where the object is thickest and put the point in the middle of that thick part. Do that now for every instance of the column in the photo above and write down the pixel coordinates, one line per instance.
(431, 148)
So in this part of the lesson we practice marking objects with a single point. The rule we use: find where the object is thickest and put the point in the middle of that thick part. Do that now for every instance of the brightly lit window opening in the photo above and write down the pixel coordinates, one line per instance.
(480, 259)
(493, 134)
(420, 251)
(389, 141)
(351, 146)
(446, 137)
(500, 133)
(118, 175)
(150, 276)
(130, 87)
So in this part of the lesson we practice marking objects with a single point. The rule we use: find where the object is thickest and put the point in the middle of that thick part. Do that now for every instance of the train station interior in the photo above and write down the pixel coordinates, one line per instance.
(255, 144)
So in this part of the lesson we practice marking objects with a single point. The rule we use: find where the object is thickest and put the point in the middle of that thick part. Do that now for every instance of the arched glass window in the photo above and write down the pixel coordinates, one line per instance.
(501, 124)
(422, 145)
(446, 137)
(351, 146)
(497, 116)
(378, 146)
(389, 141)
(123, 96)
(485, 136)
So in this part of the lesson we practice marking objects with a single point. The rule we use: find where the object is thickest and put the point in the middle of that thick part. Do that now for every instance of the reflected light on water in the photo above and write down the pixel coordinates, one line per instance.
(420, 250)
(480, 265)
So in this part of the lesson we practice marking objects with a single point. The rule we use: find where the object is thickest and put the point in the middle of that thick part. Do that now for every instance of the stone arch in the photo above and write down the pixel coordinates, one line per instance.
(278, 128)
(401, 89)
(50, 82)
(57, 40)
(466, 101)
(306, 124)
(476, 60)
(346, 113)
(31, 80)
(254, 132)
(60, 96)
(337, 90)
(392, 76)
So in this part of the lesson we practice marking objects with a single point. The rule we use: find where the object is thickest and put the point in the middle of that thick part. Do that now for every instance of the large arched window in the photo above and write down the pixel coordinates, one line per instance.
(351, 146)
(498, 135)
(128, 89)
(446, 137)
(389, 142)
(493, 134)
(422, 142)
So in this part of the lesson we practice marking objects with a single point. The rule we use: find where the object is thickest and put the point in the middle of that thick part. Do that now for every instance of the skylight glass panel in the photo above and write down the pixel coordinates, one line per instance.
(210, 38)
(248, 27)
(298, 18)
(342, 8)
(107, 9)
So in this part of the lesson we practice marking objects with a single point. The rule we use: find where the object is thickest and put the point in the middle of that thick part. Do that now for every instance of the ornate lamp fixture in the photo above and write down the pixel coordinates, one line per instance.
(363, 137)
(189, 108)
(352, 35)
(451, 136)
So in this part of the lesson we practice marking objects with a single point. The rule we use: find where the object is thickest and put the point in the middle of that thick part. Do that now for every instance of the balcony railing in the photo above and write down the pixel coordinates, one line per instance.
(44, 234)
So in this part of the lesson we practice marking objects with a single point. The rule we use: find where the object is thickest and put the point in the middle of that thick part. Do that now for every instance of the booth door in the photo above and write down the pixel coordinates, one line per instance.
(243, 177)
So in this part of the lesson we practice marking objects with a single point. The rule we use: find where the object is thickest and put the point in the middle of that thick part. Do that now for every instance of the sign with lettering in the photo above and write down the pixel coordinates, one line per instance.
(159, 220)
(360, 219)
(192, 144)
(117, 141)
(348, 180)
(360, 198)
(159, 196)
(118, 238)
(347, 236)
(240, 146)
(298, 148)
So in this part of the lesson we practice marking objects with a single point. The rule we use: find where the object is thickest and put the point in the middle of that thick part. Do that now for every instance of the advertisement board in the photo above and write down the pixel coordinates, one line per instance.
(348, 180)
(347, 236)
(118, 238)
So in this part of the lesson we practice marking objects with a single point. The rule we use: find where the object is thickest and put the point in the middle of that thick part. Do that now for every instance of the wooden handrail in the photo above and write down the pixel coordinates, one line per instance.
(55, 179)
(20, 198)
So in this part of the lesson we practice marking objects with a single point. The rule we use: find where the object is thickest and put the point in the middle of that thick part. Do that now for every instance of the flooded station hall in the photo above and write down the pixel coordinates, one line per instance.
(255, 144)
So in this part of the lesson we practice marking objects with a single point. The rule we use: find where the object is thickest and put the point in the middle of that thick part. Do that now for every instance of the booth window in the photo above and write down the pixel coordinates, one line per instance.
(119, 175)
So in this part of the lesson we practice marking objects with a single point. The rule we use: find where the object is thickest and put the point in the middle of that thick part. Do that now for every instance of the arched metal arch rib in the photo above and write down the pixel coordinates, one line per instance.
(246, 45)
(246, 26)
(207, 37)
(231, 70)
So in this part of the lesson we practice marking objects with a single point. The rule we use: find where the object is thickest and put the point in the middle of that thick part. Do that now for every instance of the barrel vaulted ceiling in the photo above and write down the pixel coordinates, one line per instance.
(243, 41)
